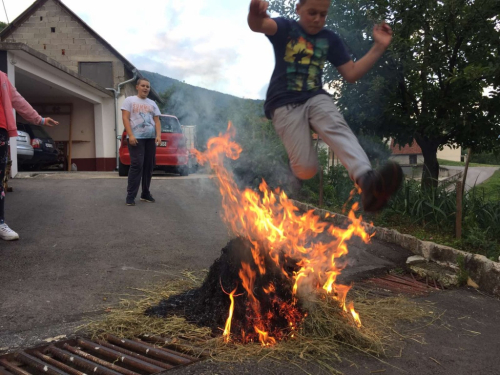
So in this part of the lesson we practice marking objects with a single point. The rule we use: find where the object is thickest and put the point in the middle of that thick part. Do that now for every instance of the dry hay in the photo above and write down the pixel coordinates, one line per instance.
(325, 332)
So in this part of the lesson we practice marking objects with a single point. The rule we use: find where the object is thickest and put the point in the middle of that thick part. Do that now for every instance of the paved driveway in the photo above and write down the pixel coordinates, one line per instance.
(475, 175)
(80, 244)
(82, 248)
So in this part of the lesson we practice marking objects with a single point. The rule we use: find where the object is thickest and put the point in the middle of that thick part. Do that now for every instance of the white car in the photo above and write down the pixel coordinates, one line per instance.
(24, 148)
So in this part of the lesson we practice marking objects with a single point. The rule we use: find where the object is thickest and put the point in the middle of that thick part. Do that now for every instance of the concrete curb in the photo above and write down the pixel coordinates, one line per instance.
(484, 272)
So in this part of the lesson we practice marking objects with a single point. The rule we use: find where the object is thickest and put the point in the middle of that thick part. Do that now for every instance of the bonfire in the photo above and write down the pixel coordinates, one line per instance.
(258, 289)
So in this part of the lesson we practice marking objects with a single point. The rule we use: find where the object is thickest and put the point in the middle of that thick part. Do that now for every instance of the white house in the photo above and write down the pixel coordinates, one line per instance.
(70, 73)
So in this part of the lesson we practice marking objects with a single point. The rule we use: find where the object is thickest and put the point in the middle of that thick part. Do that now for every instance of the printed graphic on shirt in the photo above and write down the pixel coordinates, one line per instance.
(142, 113)
(142, 120)
(305, 60)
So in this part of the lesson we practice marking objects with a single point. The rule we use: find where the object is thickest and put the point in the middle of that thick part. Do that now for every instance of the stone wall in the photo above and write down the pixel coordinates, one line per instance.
(482, 271)
(54, 32)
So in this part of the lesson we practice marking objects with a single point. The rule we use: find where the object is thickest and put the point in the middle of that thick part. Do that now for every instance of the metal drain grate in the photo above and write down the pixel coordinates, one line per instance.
(112, 356)
(395, 284)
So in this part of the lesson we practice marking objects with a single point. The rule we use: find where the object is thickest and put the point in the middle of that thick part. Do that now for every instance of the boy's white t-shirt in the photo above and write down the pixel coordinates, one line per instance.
(142, 113)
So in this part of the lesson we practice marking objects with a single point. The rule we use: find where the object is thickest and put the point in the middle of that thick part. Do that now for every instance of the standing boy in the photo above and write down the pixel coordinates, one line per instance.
(141, 118)
(297, 102)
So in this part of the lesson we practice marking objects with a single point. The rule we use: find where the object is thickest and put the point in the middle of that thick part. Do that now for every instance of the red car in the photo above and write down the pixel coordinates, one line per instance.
(172, 154)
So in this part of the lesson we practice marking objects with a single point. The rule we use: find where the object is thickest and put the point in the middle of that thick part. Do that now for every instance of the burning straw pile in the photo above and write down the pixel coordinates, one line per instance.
(273, 285)
(261, 307)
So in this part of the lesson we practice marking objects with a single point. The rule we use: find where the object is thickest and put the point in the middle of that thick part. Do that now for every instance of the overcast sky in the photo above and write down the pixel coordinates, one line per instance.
(202, 42)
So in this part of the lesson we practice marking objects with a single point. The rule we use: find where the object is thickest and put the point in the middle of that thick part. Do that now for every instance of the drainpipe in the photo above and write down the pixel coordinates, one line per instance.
(117, 94)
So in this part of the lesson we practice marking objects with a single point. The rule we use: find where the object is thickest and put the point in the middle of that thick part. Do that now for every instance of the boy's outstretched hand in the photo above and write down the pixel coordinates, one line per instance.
(258, 8)
(382, 34)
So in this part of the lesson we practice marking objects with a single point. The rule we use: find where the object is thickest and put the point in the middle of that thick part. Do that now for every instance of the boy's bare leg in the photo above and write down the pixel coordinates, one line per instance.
(292, 126)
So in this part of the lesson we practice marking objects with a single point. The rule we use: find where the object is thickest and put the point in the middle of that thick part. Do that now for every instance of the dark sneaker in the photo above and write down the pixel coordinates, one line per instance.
(147, 198)
(130, 202)
(377, 186)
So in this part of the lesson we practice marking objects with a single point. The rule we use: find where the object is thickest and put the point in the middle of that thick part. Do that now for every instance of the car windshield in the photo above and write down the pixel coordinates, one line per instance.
(170, 125)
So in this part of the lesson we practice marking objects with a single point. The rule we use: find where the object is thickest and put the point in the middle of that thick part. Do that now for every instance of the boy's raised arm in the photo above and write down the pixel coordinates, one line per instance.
(258, 19)
(352, 71)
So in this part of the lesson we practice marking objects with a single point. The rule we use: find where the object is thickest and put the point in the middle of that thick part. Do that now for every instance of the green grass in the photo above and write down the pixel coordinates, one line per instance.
(427, 215)
(490, 188)
(461, 164)
(433, 233)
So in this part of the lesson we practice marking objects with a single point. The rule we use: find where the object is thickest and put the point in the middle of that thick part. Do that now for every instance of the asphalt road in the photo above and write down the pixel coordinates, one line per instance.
(80, 244)
(475, 175)
(81, 248)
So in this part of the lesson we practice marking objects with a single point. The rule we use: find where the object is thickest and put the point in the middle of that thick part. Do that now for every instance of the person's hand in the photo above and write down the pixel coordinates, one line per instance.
(382, 35)
(50, 122)
(258, 8)
(132, 141)
(158, 140)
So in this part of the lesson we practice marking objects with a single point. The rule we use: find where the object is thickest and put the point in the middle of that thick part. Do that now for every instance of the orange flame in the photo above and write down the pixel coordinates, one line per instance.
(269, 289)
(355, 315)
(264, 338)
(272, 223)
(227, 329)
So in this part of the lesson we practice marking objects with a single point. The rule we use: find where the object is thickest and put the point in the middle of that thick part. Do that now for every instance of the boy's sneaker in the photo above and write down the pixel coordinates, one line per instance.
(7, 234)
(377, 186)
(147, 198)
(130, 202)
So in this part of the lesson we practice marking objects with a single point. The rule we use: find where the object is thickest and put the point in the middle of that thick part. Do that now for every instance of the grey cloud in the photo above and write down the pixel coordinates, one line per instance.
(183, 61)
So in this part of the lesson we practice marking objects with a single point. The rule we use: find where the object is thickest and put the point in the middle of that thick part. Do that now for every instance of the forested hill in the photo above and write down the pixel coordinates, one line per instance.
(193, 104)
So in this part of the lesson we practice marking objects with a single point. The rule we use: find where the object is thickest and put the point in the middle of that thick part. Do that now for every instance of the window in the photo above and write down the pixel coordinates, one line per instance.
(413, 159)
(99, 72)
(170, 125)
(53, 29)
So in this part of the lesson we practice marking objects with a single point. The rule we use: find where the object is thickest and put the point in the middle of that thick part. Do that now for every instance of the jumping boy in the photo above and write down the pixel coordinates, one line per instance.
(297, 102)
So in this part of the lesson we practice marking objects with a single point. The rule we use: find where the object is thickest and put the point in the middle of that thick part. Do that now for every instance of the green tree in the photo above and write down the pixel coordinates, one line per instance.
(3, 25)
(429, 85)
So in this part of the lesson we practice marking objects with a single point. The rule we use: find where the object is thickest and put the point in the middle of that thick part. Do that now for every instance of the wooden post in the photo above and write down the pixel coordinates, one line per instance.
(469, 153)
(458, 224)
(70, 142)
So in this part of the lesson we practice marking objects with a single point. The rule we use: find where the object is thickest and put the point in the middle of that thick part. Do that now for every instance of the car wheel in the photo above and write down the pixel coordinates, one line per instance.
(184, 171)
(123, 169)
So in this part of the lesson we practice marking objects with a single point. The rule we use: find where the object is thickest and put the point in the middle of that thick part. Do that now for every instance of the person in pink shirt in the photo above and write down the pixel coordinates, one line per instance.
(11, 99)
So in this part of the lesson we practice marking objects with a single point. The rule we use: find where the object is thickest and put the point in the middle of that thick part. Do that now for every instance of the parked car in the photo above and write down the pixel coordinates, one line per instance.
(24, 149)
(172, 155)
(44, 148)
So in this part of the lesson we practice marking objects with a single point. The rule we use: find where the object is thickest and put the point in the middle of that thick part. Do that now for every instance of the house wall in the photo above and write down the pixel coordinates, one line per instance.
(105, 136)
(405, 159)
(93, 119)
(82, 125)
(448, 153)
(70, 44)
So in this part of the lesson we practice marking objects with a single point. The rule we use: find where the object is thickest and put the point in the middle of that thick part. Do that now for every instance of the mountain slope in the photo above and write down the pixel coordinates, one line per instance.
(191, 104)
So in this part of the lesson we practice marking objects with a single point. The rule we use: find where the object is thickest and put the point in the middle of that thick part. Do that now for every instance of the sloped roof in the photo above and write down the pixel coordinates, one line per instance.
(27, 49)
(38, 3)
(397, 149)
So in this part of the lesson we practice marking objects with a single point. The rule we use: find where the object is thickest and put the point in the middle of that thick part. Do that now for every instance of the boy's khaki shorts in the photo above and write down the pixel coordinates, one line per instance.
(293, 123)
